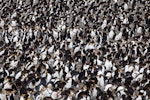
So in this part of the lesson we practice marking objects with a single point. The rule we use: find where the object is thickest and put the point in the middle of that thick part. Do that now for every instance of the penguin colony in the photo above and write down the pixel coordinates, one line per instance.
(74, 50)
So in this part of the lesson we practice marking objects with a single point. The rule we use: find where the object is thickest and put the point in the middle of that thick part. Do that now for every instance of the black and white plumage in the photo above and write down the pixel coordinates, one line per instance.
(74, 49)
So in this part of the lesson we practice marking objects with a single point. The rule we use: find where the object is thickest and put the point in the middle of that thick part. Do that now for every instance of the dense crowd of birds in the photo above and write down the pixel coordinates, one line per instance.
(74, 49)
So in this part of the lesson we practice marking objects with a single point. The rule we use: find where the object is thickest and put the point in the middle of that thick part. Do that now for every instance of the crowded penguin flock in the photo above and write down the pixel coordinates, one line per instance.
(74, 50)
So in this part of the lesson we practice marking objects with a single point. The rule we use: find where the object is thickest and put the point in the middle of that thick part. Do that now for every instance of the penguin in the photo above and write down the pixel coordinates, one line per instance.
(84, 95)
(96, 91)
(56, 94)
(2, 23)
(108, 64)
(104, 24)
(3, 96)
(12, 97)
(111, 34)
(1, 43)
(2, 52)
